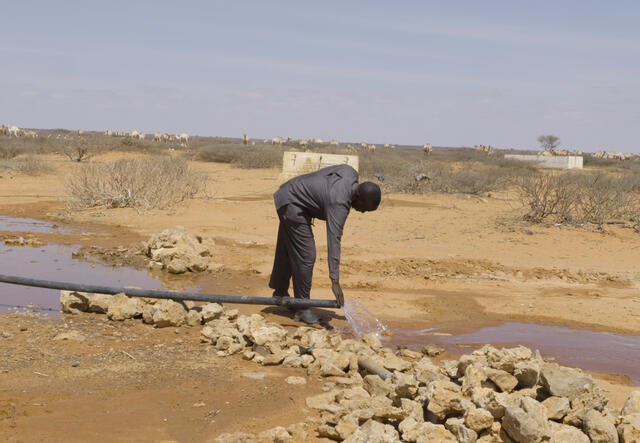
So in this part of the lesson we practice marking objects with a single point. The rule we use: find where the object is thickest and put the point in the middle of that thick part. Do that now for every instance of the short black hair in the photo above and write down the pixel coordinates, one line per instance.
(370, 195)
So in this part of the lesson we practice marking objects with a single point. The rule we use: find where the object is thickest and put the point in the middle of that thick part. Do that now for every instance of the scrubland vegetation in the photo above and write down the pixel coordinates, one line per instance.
(606, 191)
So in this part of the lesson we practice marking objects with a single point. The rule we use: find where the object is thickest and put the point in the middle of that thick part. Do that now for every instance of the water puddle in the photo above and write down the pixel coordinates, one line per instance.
(16, 224)
(594, 351)
(55, 262)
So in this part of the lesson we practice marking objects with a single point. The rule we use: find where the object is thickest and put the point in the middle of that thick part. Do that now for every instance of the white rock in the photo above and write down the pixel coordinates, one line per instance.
(599, 429)
(211, 311)
(526, 422)
(295, 380)
(168, 313)
(632, 404)
(71, 335)
(99, 303)
(74, 302)
(122, 307)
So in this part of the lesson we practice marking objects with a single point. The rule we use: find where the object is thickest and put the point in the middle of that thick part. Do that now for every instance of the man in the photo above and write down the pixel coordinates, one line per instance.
(327, 194)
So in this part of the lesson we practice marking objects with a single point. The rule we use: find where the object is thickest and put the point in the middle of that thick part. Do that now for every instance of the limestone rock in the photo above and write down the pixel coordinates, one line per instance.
(405, 385)
(178, 251)
(99, 303)
(478, 419)
(374, 432)
(502, 379)
(557, 407)
(632, 404)
(168, 313)
(292, 380)
(375, 385)
(629, 428)
(346, 426)
(526, 422)
(373, 340)
(426, 372)
(211, 311)
(71, 335)
(527, 373)
(122, 307)
(299, 431)
(561, 381)
(594, 398)
(567, 434)
(275, 435)
(474, 377)
(412, 409)
(599, 429)
(407, 353)
(460, 431)
(327, 431)
(450, 368)
(394, 363)
(237, 437)
(73, 302)
(193, 318)
(444, 398)
(264, 334)
(490, 400)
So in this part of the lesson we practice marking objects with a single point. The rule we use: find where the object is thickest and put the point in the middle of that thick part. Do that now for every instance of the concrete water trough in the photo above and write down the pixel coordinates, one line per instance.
(556, 162)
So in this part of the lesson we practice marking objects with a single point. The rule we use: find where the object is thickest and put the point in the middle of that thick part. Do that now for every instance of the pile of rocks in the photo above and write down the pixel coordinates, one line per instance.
(159, 312)
(178, 251)
(490, 395)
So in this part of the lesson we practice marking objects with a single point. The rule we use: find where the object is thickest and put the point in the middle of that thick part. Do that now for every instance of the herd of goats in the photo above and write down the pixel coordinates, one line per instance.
(183, 140)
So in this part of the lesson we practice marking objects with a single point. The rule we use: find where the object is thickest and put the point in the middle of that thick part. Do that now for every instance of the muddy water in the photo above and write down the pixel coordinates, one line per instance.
(54, 262)
(15, 224)
(594, 351)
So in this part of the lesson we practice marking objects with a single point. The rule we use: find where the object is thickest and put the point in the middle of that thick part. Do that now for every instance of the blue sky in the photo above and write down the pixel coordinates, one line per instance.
(449, 73)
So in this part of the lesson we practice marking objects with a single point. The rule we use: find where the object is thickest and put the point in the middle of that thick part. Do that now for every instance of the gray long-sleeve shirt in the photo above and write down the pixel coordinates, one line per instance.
(325, 195)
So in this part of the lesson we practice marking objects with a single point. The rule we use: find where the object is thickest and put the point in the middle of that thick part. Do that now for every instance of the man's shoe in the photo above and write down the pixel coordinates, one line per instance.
(307, 316)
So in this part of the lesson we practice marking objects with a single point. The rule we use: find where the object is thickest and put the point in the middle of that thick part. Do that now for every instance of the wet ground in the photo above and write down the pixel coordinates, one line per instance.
(595, 351)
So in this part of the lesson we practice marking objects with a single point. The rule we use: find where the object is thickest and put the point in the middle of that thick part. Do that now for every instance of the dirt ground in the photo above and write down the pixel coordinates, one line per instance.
(455, 262)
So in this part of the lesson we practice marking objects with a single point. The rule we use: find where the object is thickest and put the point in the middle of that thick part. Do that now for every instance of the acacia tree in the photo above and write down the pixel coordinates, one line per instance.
(549, 142)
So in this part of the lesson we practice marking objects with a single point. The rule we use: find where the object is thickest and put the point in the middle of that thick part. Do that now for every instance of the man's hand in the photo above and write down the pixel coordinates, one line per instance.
(337, 291)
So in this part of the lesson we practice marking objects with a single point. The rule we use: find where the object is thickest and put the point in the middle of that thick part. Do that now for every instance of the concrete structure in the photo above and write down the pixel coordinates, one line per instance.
(297, 163)
(556, 162)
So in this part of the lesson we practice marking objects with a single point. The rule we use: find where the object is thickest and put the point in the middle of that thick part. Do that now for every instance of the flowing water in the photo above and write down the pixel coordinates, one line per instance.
(361, 320)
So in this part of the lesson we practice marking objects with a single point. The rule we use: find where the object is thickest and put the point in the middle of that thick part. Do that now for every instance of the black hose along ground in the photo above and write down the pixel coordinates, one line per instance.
(172, 295)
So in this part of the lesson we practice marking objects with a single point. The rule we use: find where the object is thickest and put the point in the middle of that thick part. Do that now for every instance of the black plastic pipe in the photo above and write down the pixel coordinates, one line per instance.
(173, 295)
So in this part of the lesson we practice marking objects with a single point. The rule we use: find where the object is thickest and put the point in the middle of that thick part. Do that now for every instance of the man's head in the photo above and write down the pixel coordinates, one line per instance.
(367, 197)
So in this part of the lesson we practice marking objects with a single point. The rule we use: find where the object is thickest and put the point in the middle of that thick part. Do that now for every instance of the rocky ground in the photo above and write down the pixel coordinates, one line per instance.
(370, 393)
(161, 371)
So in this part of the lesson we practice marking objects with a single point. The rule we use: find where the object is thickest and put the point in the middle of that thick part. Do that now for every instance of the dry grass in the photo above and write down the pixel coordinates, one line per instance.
(141, 183)
(578, 198)
(30, 165)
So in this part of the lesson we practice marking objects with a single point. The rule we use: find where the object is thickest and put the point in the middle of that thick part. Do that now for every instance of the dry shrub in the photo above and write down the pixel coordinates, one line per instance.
(241, 156)
(7, 152)
(141, 183)
(31, 165)
(412, 174)
(579, 198)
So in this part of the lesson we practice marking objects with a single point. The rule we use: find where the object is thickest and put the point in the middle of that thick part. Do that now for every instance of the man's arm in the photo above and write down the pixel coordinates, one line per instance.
(336, 218)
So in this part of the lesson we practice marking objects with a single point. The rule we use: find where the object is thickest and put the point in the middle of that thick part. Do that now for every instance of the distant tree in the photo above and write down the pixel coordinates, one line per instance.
(549, 142)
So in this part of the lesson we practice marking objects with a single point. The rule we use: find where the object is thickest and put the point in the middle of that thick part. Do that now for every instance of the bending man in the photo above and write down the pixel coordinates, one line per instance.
(328, 194)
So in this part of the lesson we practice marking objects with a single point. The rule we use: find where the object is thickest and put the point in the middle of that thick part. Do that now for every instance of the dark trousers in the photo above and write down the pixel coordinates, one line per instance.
(295, 252)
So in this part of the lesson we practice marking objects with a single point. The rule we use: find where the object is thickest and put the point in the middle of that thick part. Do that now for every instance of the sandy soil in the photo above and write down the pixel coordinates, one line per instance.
(419, 261)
